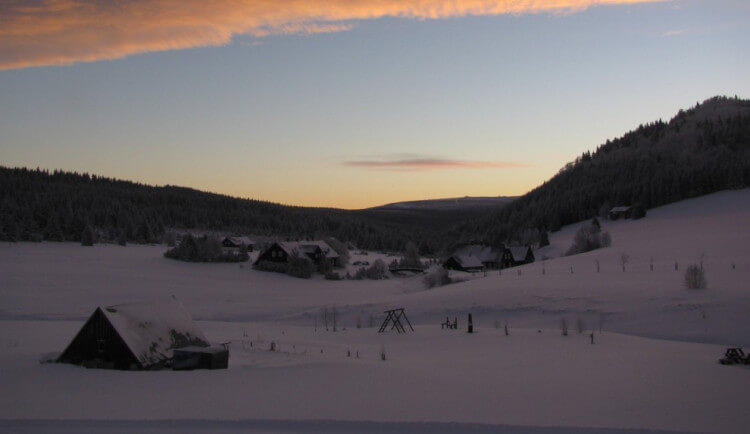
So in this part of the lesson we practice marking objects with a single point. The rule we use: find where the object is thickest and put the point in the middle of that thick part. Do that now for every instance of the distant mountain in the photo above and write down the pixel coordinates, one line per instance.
(458, 203)
(700, 151)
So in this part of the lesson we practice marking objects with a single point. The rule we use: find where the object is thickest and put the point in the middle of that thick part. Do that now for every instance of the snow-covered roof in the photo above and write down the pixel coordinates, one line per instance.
(518, 253)
(468, 261)
(483, 252)
(241, 240)
(152, 330)
(620, 209)
(292, 247)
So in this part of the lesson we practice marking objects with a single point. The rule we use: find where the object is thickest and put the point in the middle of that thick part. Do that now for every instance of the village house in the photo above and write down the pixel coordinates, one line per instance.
(316, 251)
(466, 263)
(489, 256)
(618, 212)
(139, 336)
(237, 242)
(517, 255)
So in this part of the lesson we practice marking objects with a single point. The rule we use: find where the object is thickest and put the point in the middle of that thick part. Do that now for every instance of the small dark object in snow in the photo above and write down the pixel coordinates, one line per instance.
(212, 357)
(450, 325)
(735, 356)
(471, 325)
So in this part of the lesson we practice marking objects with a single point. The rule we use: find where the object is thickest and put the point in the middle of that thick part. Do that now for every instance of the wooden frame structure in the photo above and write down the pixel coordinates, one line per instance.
(394, 316)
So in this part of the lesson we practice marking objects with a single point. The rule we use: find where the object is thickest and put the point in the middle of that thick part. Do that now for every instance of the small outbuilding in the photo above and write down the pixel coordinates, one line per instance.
(212, 357)
(619, 212)
(134, 336)
(467, 263)
(517, 255)
(237, 242)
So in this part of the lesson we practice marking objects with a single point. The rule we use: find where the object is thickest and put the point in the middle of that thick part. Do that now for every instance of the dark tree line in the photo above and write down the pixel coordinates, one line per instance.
(700, 151)
(38, 205)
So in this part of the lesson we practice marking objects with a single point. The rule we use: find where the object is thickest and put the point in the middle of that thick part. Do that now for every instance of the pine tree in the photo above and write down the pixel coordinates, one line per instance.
(87, 236)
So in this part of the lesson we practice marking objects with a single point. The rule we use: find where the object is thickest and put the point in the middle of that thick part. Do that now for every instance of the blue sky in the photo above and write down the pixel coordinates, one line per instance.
(383, 110)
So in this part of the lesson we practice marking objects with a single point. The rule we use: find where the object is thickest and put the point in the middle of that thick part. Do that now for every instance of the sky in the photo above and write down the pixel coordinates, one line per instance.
(350, 103)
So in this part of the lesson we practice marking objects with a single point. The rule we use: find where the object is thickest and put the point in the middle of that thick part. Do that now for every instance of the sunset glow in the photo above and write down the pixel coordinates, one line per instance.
(60, 32)
(351, 103)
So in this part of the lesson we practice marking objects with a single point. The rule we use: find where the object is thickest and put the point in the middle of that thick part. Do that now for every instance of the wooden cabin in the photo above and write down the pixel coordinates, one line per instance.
(517, 255)
(466, 263)
(316, 251)
(490, 256)
(133, 336)
(619, 212)
(237, 242)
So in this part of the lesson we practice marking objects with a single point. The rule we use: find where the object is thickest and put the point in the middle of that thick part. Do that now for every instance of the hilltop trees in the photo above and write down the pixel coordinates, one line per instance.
(700, 151)
(39, 204)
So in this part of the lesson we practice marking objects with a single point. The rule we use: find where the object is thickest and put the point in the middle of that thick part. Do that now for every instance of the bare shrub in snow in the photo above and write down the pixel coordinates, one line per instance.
(411, 256)
(624, 259)
(695, 277)
(564, 326)
(376, 271)
(589, 237)
(438, 276)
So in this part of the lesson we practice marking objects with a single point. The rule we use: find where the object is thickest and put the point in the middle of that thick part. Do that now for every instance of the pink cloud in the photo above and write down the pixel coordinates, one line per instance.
(419, 164)
(61, 32)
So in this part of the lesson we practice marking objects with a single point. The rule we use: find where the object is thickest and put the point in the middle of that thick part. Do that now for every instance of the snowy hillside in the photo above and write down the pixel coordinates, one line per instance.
(652, 366)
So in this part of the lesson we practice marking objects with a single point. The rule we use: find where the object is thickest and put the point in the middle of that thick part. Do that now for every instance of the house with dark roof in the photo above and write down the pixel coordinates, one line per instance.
(467, 263)
(517, 255)
(619, 212)
(237, 242)
(315, 251)
(489, 256)
(134, 336)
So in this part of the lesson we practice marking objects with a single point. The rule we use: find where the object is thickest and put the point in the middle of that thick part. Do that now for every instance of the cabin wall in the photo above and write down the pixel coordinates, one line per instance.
(274, 254)
(97, 345)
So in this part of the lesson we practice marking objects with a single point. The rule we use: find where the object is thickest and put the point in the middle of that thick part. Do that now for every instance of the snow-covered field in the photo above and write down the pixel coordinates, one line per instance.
(652, 367)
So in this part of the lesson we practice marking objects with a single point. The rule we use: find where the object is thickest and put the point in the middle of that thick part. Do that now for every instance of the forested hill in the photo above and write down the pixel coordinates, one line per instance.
(40, 205)
(700, 151)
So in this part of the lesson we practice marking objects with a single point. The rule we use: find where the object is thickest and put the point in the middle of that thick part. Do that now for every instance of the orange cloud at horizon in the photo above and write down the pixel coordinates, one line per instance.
(61, 32)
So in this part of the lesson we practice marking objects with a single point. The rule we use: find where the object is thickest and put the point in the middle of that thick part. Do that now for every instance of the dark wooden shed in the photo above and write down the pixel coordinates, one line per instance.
(213, 357)
(133, 336)
(517, 255)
